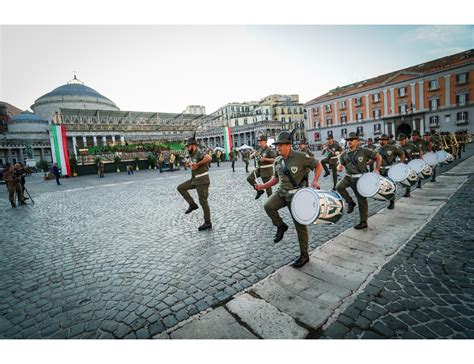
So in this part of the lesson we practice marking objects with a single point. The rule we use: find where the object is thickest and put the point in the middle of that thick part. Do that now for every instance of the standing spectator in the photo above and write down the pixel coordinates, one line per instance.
(57, 173)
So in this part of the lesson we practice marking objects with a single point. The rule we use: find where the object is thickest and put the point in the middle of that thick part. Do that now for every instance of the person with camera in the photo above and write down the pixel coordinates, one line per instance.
(57, 173)
(12, 177)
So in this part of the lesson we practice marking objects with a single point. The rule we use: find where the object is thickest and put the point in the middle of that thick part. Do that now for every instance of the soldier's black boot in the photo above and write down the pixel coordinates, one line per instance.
(205, 226)
(13, 204)
(350, 207)
(419, 183)
(259, 193)
(433, 179)
(326, 174)
(391, 205)
(302, 260)
(361, 225)
(407, 193)
(191, 208)
(280, 232)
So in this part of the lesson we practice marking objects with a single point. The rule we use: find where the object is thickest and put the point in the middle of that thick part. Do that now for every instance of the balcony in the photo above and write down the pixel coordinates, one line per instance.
(377, 132)
(462, 121)
(434, 124)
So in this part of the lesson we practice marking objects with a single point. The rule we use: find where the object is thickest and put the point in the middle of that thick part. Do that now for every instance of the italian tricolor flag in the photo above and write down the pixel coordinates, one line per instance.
(59, 148)
(227, 142)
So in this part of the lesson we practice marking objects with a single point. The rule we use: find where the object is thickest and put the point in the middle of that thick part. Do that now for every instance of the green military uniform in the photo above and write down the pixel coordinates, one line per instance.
(246, 158)
(422, 145)
(12, 180)
(306, 150)
(199, 181)
(161, 160)
(411, 152)
(218, 157)
(371, 164)
(264, 169)
(389, 154)
(331, 158)
(355, 163)
(298, 164)
(233, 155)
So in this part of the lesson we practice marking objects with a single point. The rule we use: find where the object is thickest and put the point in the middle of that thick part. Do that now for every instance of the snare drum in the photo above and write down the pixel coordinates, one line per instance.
(310, 206)
(431, 158)
(427, 171)
(442, 156)
(402, 174)
(417, 165)
(376, 186)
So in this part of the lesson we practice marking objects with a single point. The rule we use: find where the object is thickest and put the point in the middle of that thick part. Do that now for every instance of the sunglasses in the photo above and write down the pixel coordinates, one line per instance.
(351, 140)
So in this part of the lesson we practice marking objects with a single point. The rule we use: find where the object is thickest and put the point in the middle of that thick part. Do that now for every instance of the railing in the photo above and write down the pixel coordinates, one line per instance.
(462, 121)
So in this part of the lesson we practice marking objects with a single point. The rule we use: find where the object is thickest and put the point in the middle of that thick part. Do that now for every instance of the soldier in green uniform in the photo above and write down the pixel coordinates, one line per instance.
(264, 157)
(290, 168)
(233, 156)
(218, 157)
(370, 145)
(391, 140)
(12, 177)
(422, 144)
(161, 160)
(411, 152)
(389, 153)
(436, 145)
(355, 159)
(331, 151)
(245, 158)
(199, 163)
(303, 148)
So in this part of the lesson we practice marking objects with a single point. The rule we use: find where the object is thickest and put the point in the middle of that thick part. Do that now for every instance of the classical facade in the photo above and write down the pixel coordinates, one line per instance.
(249, 120)
(434, 95)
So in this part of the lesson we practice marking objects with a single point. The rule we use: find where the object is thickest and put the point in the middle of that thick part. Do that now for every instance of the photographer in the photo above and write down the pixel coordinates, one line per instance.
(13, 179)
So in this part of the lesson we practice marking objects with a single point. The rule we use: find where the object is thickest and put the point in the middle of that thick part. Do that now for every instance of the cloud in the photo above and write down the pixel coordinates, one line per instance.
(440, 35)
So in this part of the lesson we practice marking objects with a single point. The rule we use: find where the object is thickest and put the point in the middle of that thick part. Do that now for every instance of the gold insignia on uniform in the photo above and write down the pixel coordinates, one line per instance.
(308, 155)
(360, 159)
(294, 169)
(389, 152)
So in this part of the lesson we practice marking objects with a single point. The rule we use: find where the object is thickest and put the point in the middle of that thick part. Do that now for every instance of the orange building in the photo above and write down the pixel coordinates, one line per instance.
(433, 95)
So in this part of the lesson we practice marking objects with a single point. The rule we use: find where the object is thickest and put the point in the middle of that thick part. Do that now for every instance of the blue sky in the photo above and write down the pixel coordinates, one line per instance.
(165, 68)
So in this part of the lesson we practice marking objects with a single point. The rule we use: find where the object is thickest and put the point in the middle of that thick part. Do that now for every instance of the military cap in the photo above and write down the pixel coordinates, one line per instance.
(384, 137)
(285, 137)
(262, 137)
(401, 136)
(427, 133)
(329, 137)
(415, 133)
(192, 140)
(352, 135)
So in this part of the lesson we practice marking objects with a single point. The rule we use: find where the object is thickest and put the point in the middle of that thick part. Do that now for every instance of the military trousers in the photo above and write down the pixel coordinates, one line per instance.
(203, 194)
(384, 173)
(361, 201)
(246, 166)
(333, 165)
(12, 188)
(274, 203)
(251, 178)
(233, 166)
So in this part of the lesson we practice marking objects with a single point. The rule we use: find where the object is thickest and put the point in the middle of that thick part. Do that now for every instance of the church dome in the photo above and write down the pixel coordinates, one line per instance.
(27, 122)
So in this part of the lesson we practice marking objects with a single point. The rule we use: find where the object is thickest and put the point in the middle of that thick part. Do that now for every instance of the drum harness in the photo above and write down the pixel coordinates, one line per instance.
(354, 163)
(287, 173)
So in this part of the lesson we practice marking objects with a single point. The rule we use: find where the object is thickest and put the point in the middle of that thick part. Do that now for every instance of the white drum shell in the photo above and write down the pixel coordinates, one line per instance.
(431, 159)
(376, 186)
(310, 206)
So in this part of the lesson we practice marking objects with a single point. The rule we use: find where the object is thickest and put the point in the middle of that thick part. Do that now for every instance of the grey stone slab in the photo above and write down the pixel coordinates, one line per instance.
(356, 256)
(217, 324)
(333, 274)
(354, 265)
(264, 319)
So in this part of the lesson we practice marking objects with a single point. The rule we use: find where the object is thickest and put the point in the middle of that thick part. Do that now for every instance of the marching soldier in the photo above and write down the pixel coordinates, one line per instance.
(161, 160)
(218, 157)
(389, 153)
(331, 150)
(245, 158)
(171, 161)
(391, 140)
(199, 163)
(411, 152)
(422, 144)
(436, 145)
(290, 168)
(303, 148)
(355, 159)
(370, 145)
(100, 168)
(12, 177)
(264, 157)
(233, 155)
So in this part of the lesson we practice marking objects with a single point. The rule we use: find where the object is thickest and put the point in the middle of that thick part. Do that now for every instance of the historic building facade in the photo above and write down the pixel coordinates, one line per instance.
(434, 95)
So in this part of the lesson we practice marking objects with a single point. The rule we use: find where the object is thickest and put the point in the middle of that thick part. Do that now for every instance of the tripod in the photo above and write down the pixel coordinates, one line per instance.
(28, 194)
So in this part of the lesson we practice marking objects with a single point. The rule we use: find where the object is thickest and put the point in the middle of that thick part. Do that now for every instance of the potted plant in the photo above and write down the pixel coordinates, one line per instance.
(151, 161)
(117, 163)
(73, 164)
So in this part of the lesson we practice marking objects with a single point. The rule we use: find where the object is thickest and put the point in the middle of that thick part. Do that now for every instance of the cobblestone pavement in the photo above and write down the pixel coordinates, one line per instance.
(427, 290)
(117, 257)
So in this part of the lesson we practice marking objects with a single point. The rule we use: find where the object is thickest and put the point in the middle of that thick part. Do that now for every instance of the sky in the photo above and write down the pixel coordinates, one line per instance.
(164, 68)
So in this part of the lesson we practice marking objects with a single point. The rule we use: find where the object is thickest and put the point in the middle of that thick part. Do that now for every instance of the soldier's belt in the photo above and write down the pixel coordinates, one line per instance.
(266, 166)
(355, 175)
(334, 157)
(201, 175)
(291, 192)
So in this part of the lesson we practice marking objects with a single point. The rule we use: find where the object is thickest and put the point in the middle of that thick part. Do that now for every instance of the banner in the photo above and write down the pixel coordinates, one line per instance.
(227, 142)
(59, 148)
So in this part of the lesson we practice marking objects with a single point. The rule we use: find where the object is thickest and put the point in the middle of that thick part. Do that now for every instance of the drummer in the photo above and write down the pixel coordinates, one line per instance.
(355, 159)
(436, 145)
(389, 153)
(422, 144)
(290, 168)
(411, 152)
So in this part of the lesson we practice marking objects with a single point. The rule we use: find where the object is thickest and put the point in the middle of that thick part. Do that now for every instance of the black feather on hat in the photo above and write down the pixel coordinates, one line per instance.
(292, 134)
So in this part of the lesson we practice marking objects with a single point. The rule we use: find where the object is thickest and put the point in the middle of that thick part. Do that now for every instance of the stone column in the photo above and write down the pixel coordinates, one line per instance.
(42, 153)
(350, 110)
(113, 139)
(413, 96)
(10, 156)
(122, 139)
(84, 141)
(22, 157)
(422, 126)
(414, 124)
(447, 90)
(385, 103)
(94, 138)
(336, 119)
(74, 145)
(104, 140)
(367, 109)
(421, 95)
(392, 100)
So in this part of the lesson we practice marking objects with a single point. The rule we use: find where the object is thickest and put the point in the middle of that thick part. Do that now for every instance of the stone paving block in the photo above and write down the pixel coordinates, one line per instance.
(264, 319)
(217, 324)
(355, 266)
(356, 256)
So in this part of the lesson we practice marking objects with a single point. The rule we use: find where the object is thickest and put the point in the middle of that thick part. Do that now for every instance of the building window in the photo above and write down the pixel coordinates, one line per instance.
(402, 109)
(360, 115)
(434, 103)
(330, 133)
(434, 121)
(358, 101)
(461, 116)
(360, 131)
(343, 105)
(343, 119)
(434, 85)
(328, 108)
(329, 122)
(376, 97)
(316, 135)
(461, 79)
(447, 118)
(377, 128)
(376, 113)
(282, 119)
(461, 99)
(344, 133)
(402, 91)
